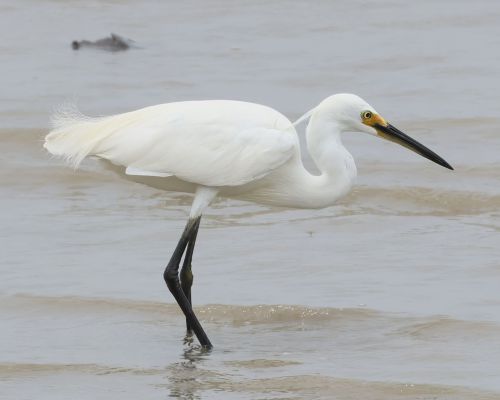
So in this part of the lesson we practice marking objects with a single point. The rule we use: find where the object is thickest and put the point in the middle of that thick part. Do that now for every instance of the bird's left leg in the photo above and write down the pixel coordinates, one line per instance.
(171, 276)
(186, 274)
(181, 288)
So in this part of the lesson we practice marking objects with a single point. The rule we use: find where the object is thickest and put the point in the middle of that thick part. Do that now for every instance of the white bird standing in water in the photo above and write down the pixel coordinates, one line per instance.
(231, 149)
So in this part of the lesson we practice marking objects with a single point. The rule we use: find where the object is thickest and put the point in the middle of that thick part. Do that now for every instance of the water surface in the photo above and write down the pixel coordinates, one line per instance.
(390, 294)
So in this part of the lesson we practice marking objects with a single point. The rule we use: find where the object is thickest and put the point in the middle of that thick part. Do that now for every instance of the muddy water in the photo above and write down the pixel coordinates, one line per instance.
(393, 293)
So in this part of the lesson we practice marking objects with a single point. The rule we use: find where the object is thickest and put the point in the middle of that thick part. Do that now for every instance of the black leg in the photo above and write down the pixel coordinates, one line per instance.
(171, 276)
(186, 275)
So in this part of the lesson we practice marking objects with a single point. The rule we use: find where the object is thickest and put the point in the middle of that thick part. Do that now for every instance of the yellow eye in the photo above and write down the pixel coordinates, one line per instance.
(366, 114)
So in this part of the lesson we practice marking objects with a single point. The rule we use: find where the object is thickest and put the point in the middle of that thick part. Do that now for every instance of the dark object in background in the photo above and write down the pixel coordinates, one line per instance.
(112, 43)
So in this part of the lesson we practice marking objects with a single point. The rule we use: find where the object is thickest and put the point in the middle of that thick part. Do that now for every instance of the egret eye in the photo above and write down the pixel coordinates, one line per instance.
(366, 114)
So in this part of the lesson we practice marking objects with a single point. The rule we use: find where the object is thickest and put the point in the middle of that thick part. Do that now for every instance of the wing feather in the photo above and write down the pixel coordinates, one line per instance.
(212, 144)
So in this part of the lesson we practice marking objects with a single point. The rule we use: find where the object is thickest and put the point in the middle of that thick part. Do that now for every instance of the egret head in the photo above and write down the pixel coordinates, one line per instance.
(356, 115)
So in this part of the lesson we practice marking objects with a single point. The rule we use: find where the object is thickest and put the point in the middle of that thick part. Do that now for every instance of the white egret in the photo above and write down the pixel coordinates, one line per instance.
(227, 148)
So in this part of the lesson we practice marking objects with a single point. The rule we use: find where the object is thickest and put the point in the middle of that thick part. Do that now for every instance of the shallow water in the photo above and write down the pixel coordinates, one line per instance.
(390, 294)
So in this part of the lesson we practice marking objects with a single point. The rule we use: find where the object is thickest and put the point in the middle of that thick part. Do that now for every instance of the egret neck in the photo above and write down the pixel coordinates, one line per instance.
(335, 163)
(324, 144)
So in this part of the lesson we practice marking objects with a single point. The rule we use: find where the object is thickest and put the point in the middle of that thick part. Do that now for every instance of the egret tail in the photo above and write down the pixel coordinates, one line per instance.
(76, 136)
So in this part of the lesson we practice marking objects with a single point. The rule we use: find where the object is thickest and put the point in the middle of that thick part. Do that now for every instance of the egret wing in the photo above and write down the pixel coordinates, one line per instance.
(219, 157)
(213, 143)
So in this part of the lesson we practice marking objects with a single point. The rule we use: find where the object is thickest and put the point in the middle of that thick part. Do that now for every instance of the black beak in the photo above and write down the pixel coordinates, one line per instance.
(393, 134)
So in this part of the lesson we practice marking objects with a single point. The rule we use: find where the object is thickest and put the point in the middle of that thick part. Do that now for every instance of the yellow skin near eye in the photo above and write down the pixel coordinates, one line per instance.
(371, 119)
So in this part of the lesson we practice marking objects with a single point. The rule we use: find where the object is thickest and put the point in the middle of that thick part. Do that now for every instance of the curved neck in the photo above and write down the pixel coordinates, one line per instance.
(325, 146)
(295, 186)
(335, 163)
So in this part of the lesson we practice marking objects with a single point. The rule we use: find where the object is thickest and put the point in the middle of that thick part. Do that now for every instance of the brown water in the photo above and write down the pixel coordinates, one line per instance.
(394, 293)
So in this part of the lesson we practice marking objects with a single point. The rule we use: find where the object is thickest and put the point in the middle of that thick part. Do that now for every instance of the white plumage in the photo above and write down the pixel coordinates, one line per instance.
(210, 143)
(226, 148)
(241, 150)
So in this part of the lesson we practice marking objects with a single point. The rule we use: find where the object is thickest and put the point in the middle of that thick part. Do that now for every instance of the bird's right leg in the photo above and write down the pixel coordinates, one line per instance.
(171, 276)
(186, 275)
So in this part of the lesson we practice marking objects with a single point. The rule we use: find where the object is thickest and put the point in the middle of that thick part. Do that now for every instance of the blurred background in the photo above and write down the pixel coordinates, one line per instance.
(390, 294)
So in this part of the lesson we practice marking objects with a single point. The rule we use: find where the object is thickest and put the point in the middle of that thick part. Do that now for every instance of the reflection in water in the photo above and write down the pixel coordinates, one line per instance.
(186, 374)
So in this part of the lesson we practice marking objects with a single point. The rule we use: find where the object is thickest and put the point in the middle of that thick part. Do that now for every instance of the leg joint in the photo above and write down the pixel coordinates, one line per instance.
(170, 275)
(186, 276)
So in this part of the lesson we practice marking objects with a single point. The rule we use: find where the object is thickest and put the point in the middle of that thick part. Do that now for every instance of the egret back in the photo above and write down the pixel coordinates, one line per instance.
(211, 143)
